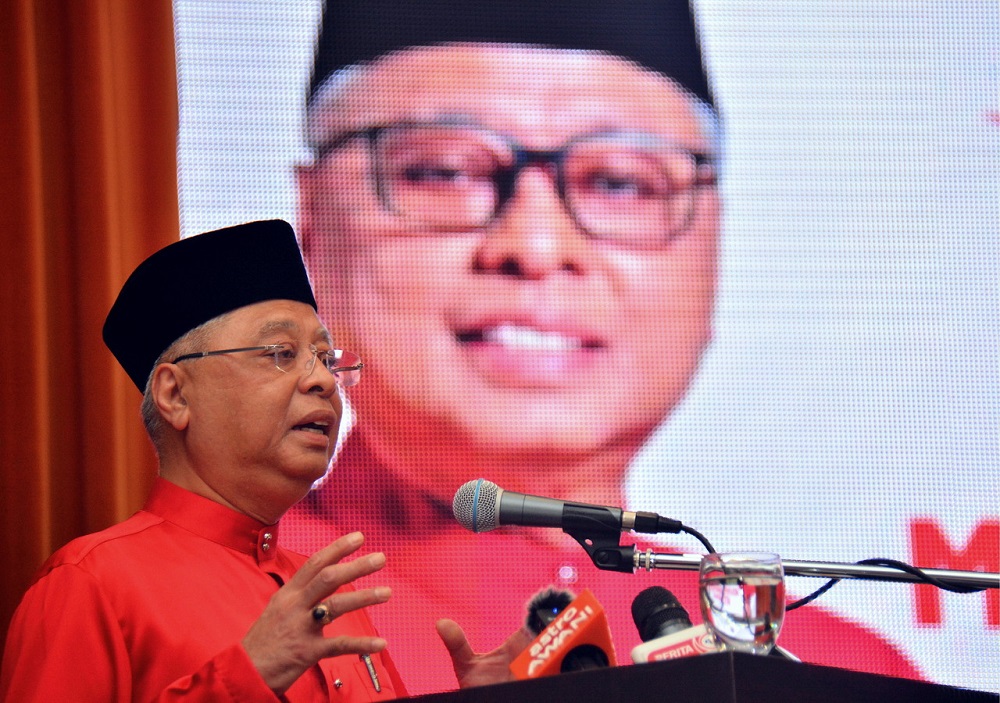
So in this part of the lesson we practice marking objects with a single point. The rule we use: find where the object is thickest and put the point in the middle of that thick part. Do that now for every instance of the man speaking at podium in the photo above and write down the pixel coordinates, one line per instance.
(194, 597)
(512, 214)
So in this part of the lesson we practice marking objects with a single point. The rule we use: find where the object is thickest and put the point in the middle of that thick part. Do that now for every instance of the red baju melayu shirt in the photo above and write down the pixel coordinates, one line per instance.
(437, 569)
(155, 607)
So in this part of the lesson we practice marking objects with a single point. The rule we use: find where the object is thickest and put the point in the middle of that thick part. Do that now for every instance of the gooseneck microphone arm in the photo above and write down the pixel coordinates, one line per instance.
(959, 580)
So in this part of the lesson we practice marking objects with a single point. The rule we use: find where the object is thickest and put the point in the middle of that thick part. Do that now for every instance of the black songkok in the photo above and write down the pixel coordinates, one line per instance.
(197, 279)
(658, 34)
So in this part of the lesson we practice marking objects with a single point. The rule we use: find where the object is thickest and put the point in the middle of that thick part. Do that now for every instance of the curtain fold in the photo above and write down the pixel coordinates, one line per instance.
(88, 108)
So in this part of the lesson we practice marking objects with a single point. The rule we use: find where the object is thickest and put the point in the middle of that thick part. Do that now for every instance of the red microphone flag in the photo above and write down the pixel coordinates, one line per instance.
(569, 642)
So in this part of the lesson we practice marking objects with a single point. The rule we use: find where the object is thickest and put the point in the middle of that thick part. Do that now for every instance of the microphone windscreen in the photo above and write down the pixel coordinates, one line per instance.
(656, 612)
(545, 606)
(578, 638)
(476, 505)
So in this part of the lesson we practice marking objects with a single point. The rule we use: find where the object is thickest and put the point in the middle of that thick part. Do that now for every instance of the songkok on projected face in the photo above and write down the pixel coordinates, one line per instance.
(197, 279)
(657, 34)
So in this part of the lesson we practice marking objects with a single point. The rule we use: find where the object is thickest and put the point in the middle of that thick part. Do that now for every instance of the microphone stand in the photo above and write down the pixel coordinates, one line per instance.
(650, 560)
(602, 545)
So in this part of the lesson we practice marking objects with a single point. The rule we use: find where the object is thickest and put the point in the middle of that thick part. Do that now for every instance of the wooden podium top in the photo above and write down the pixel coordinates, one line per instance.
(715, 678)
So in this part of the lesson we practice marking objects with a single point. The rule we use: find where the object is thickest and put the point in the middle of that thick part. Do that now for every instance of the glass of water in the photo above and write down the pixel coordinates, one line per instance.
(743, 599)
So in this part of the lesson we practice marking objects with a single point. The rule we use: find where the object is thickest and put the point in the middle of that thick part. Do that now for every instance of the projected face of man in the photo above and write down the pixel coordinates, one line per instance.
(526, 350)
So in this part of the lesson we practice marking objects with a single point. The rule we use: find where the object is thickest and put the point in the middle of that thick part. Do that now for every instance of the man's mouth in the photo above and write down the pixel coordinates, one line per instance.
(322, 428)
(528, 339)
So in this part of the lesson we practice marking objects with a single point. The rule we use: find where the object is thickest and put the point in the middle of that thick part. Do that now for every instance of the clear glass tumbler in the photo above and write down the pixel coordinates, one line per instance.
(743, 599)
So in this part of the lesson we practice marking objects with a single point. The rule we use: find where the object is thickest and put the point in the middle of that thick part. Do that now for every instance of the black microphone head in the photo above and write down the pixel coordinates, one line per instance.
(476, 505)
(656, 612)
(545, 606)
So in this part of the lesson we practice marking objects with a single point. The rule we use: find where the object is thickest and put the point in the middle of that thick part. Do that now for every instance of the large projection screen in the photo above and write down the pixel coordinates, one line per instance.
(848, 405)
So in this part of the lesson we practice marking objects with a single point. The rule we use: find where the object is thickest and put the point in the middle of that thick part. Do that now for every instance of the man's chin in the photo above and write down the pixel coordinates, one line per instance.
(552, 445)
(307, 470)
(564, 421)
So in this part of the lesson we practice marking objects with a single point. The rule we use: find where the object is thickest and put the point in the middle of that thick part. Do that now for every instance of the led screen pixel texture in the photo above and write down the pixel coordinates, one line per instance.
(847, 406)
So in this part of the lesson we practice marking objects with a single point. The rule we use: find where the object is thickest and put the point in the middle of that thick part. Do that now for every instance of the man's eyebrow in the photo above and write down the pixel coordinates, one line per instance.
(288, 326)
(322, 333)
(453, 118)
(442, 119)
(274, 326)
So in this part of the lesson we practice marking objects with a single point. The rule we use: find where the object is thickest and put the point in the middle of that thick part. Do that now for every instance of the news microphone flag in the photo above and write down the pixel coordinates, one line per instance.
(578, 638)
(689, 642)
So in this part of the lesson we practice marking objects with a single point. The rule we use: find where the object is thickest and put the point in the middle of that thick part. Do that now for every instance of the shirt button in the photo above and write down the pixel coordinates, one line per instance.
(566, 574)
(337, 683)
(267, 541)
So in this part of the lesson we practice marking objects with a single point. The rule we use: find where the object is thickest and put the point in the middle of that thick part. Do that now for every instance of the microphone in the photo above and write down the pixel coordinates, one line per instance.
(666, 629)
(577, 638)
(481, 506)
(544, 607)
(656, 612)
(667, 633)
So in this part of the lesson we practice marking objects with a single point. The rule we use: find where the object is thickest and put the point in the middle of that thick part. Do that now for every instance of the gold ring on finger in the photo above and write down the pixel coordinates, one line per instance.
(322, 615)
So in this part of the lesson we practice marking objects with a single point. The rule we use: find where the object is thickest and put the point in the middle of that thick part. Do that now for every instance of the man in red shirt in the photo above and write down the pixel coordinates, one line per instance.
(512, 214)
(195, 596)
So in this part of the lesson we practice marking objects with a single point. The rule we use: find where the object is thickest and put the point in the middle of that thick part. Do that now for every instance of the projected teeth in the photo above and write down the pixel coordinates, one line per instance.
(527, 338)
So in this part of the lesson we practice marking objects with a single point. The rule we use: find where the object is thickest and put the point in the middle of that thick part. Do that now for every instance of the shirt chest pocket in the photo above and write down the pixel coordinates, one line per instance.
(355, 678)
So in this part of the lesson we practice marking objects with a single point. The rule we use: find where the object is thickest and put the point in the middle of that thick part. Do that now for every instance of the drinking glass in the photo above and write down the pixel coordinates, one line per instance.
(743, 599)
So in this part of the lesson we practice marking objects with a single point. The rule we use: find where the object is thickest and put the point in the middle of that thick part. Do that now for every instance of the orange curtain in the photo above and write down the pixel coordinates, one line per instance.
(88, 188)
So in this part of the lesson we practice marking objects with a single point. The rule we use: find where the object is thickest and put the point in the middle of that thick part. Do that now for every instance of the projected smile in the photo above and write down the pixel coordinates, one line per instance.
(522, 337)
(525, 338)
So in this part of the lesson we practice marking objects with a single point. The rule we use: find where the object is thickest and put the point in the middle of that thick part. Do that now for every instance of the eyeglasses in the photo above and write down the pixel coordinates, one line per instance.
(344, 365)
(631, 188)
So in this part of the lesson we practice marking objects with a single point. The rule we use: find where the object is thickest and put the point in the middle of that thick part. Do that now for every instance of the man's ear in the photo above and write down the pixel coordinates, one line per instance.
(168, 395)
(319, 250)
(305, 218)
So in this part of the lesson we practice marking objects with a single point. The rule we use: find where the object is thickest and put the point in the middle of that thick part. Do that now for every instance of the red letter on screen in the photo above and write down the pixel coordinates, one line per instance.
(930, 548)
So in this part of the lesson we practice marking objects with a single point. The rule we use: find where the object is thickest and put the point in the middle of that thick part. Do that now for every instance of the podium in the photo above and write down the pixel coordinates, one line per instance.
(715, 678)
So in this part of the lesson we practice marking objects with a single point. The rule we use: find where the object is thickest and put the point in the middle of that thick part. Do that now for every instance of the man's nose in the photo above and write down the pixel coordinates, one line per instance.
(534, 235)
(317, 378)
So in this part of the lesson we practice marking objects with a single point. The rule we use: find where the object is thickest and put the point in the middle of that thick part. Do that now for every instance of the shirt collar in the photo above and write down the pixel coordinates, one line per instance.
(212, 521)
